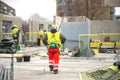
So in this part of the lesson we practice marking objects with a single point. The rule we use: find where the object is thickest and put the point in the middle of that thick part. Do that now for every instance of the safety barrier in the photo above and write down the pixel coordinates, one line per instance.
(29, 35)
(29, 38)
(33, 38)
(95, 41)
(6, 36)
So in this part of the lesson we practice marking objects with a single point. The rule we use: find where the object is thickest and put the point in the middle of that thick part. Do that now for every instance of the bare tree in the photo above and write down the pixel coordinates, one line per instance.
(35, 16)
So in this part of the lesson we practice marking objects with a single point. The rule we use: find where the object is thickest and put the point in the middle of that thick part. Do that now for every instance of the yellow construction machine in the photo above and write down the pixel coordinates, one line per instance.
(101, 46)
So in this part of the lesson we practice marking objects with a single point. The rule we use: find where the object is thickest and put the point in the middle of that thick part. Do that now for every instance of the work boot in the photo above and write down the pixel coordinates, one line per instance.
(51, 67)
(56, 71)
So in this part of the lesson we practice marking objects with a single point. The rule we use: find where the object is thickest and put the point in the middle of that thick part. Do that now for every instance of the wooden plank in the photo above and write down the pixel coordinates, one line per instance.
(10, 55)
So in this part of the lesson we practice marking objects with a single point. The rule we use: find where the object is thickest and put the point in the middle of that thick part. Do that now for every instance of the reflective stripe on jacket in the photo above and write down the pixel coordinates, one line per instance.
(54, 40)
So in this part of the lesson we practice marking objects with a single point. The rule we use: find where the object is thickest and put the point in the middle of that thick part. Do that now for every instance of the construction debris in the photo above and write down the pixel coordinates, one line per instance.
(106, 73)
(83, 53)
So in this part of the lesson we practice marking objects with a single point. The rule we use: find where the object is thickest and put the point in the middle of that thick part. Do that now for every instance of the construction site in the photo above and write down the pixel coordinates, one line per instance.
(91, 50)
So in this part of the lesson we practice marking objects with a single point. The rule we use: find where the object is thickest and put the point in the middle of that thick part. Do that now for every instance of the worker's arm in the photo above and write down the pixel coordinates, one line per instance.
(45, 40)
(63, 38)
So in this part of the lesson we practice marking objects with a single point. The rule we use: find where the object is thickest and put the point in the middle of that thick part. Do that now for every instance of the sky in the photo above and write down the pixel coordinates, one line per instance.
(45, 8)
(25, 8)
(117, 11)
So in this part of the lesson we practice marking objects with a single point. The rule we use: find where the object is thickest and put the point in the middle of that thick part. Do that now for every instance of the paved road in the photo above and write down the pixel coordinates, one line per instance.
(69, 67)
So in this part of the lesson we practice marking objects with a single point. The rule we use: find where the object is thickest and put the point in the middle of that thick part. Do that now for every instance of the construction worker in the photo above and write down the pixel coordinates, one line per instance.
(41, 34)
(45, 32)
(53, 41)
(15, 33)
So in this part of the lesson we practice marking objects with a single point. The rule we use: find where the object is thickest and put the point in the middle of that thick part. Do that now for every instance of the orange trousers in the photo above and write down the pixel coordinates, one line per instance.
(53, 56)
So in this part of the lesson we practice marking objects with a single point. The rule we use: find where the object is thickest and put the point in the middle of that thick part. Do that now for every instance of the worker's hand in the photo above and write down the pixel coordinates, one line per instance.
(58, 45)
(62, 41)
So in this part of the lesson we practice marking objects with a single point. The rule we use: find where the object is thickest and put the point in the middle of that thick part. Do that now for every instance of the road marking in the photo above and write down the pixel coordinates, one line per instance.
(80, 76)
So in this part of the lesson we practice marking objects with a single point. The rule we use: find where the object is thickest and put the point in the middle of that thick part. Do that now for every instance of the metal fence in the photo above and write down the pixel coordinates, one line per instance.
(4, 73)
(94, 40)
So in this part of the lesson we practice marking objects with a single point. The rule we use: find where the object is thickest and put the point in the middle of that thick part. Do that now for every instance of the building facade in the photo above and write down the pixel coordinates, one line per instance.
(6, 9)
(93, 9)
(7, 20)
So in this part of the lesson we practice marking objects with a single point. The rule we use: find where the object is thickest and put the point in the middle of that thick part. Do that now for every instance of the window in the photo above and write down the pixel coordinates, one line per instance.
(49, 27)
(6, 26)
(41, 26)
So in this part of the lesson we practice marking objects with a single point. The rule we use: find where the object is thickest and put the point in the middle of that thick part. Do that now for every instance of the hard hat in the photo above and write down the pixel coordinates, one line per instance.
(55, 26)
(15, 26)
